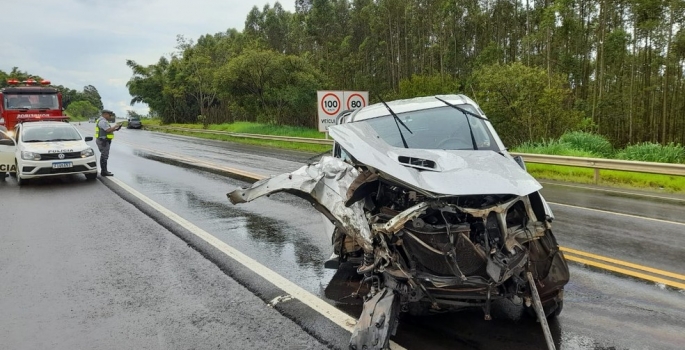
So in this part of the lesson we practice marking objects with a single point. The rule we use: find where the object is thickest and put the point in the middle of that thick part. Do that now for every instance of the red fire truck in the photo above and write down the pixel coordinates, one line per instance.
(27, 100)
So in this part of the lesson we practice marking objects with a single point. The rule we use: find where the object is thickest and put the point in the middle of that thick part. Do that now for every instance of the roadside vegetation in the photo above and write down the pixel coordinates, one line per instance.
(585, 144)
(619, 75)
(615, 79)
(613, 178)
(575, 144)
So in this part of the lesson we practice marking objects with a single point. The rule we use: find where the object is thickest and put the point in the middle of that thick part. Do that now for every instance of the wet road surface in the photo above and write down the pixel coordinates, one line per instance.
(80, 268)
(280, 232)
(602, 310)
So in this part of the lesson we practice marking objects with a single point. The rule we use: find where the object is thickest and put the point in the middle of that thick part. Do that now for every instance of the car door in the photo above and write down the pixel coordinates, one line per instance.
(7, 149)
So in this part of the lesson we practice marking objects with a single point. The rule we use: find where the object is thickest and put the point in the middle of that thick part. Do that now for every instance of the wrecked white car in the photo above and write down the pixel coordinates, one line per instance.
(432, 211)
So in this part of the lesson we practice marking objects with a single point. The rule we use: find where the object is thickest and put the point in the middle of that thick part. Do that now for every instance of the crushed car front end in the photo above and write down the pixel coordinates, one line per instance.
(437, 216)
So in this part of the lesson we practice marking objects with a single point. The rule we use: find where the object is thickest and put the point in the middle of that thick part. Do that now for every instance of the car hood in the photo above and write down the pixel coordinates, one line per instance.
(435, 172)
(56, 147)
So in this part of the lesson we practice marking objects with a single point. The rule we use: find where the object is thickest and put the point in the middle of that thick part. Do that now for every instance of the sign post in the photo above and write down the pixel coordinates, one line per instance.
(331, 103)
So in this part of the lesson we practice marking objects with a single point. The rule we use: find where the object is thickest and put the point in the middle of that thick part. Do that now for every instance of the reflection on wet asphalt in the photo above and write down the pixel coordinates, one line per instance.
(664, 207)
(263, 234)
(283, 232)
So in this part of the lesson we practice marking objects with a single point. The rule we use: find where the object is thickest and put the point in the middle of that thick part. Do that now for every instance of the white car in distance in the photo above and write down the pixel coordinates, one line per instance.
(49, 148)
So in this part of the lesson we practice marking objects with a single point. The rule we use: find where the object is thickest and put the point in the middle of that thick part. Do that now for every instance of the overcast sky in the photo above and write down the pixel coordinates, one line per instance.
(87, 42)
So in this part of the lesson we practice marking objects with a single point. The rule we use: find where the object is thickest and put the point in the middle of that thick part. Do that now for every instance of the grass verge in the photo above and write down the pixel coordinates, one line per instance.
(251, 128)
(306, 147)
(614, 178)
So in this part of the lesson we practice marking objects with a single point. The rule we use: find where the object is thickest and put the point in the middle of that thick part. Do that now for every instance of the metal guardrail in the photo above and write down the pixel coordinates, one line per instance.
(594, 163)
(605, 164)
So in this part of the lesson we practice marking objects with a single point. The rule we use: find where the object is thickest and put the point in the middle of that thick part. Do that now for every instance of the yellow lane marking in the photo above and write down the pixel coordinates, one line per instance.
(566, 250)
(624, 263)
(620, 214)
(626, 272)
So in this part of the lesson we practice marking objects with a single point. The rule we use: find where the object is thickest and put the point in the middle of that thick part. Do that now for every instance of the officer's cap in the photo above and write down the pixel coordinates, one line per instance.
(107, 111)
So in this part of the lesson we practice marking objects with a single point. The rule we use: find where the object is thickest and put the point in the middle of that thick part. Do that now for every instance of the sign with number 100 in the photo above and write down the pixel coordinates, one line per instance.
(331, 103)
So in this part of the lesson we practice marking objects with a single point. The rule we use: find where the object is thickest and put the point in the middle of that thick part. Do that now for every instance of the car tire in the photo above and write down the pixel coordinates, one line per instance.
(91, 176)
(20, 181)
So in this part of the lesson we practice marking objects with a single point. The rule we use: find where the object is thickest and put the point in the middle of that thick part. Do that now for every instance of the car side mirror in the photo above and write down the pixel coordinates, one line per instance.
(6, 142)
(89, 138)
(520, 162)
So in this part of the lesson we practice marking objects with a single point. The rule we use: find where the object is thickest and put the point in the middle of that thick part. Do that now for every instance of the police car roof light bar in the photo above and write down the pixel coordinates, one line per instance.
(28, 82)
(42, 118)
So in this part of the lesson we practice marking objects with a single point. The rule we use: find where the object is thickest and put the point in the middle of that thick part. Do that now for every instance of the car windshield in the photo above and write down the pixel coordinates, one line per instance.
(50, 133)
(31, 101)
(436, 128)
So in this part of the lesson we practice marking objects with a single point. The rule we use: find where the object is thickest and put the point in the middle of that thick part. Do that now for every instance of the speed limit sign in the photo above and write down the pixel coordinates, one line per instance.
(331, 103)
(356, 99)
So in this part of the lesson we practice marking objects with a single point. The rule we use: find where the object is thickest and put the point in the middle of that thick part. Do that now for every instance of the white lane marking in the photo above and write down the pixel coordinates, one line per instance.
(620, 214)
(616, 191)
(327, 310)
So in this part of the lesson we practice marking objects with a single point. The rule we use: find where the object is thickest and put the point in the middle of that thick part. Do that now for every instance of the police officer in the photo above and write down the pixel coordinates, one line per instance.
(104, 134)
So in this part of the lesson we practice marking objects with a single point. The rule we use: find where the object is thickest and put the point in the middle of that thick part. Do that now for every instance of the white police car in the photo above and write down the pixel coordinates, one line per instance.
(47, 148)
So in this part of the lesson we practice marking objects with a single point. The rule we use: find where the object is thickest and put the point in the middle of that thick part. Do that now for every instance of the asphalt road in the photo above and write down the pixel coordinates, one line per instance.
(80, 268)
(602, 309)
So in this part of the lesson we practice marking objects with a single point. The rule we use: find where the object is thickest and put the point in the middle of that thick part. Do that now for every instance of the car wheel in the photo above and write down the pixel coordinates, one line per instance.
(91, 176)
(20, 181)
(557, 312)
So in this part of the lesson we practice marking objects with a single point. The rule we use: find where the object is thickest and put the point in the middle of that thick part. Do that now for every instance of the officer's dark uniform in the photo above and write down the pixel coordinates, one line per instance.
(103, 139)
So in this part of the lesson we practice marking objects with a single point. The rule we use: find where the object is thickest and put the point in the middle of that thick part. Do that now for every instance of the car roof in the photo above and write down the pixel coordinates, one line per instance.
(45, 123)
(411, 104)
